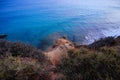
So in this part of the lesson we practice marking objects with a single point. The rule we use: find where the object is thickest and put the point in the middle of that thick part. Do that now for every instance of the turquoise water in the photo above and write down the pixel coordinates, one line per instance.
(38, 21)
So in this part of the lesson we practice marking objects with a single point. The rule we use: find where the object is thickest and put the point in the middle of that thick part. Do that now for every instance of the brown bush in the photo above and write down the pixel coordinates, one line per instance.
(18, 68)
(20, 49)
(83, 65)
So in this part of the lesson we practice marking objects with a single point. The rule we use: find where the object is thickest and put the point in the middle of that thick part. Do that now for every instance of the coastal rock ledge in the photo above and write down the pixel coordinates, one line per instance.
(60, 48)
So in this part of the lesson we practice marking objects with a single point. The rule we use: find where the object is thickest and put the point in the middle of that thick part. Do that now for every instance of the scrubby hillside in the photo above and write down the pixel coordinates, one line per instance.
(97, 61)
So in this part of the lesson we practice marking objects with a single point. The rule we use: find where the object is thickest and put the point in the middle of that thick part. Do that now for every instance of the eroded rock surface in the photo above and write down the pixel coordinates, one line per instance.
(59, 49)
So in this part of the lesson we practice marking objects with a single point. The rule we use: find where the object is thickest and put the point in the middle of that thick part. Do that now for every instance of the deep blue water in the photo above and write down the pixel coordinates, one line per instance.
(38, 21)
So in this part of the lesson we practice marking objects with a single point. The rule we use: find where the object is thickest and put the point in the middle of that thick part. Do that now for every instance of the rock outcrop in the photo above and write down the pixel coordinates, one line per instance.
(2, 36)
(59, 49)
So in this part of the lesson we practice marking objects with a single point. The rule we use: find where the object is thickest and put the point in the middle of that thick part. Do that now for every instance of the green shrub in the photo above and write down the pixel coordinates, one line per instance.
(108, 50)
(91, 66)
(18, 68)
(20, 49)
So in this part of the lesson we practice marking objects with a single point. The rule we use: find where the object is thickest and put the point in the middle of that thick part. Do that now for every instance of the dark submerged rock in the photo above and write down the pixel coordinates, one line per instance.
(2, 36)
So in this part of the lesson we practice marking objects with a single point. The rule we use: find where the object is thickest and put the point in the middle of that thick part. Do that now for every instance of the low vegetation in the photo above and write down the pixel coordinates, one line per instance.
(86, 65)
(97, 61)
(19, 49)
(17, 68)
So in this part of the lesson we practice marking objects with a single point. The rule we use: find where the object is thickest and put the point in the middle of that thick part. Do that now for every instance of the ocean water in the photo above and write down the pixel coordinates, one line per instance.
(40, 22)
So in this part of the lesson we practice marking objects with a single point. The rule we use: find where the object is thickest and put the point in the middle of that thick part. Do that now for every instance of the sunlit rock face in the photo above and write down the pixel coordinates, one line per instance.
(58, 50)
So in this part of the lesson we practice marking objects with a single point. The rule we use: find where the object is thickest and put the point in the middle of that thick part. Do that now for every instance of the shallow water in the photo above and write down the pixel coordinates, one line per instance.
(38, 21)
